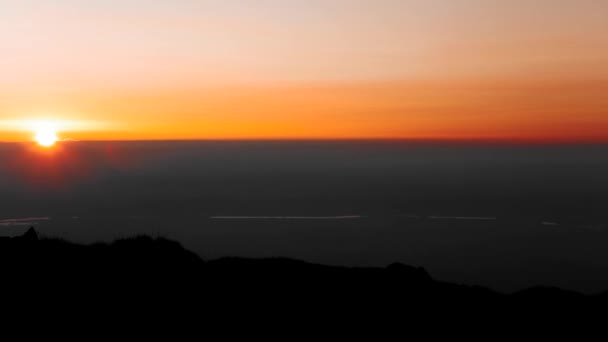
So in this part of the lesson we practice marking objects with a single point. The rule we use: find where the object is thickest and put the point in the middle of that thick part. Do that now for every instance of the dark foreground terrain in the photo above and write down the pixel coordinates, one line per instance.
(143, 277)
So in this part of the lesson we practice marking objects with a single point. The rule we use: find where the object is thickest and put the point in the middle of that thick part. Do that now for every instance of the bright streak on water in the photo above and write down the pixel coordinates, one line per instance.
(346, 217)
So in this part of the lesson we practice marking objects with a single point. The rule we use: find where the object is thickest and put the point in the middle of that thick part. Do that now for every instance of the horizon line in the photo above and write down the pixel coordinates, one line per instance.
(454, 141)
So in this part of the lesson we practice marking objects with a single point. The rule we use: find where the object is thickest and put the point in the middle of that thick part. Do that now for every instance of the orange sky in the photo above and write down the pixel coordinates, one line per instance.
(435, 69)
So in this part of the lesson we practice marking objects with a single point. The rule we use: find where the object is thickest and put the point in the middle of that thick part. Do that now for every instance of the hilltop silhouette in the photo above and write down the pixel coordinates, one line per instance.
(156, 275)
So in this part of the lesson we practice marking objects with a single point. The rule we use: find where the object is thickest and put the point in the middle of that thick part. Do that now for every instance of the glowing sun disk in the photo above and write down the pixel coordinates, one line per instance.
(46, 136)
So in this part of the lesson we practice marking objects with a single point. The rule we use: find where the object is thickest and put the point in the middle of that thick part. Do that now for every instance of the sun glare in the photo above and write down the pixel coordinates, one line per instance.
(46, 135)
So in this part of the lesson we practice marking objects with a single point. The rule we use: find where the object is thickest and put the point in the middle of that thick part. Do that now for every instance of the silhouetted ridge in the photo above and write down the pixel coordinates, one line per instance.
(418, 273)
(30, 235)
(146, 271)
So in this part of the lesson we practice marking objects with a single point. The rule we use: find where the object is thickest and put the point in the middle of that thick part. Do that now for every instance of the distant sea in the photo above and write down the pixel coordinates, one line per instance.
(501, 216)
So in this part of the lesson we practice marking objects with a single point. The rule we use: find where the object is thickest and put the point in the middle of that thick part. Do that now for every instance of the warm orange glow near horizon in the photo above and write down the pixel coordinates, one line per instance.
(509, 71)
(507, 111)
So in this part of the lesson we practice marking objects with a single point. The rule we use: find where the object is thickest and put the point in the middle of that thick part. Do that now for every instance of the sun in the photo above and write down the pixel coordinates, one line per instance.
(46, 135)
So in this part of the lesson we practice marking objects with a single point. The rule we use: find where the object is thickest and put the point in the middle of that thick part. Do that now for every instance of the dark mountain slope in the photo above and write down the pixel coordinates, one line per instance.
(144, 276)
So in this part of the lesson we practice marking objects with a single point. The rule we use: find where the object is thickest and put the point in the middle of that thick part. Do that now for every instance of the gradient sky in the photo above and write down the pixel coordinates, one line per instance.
(201, 69)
